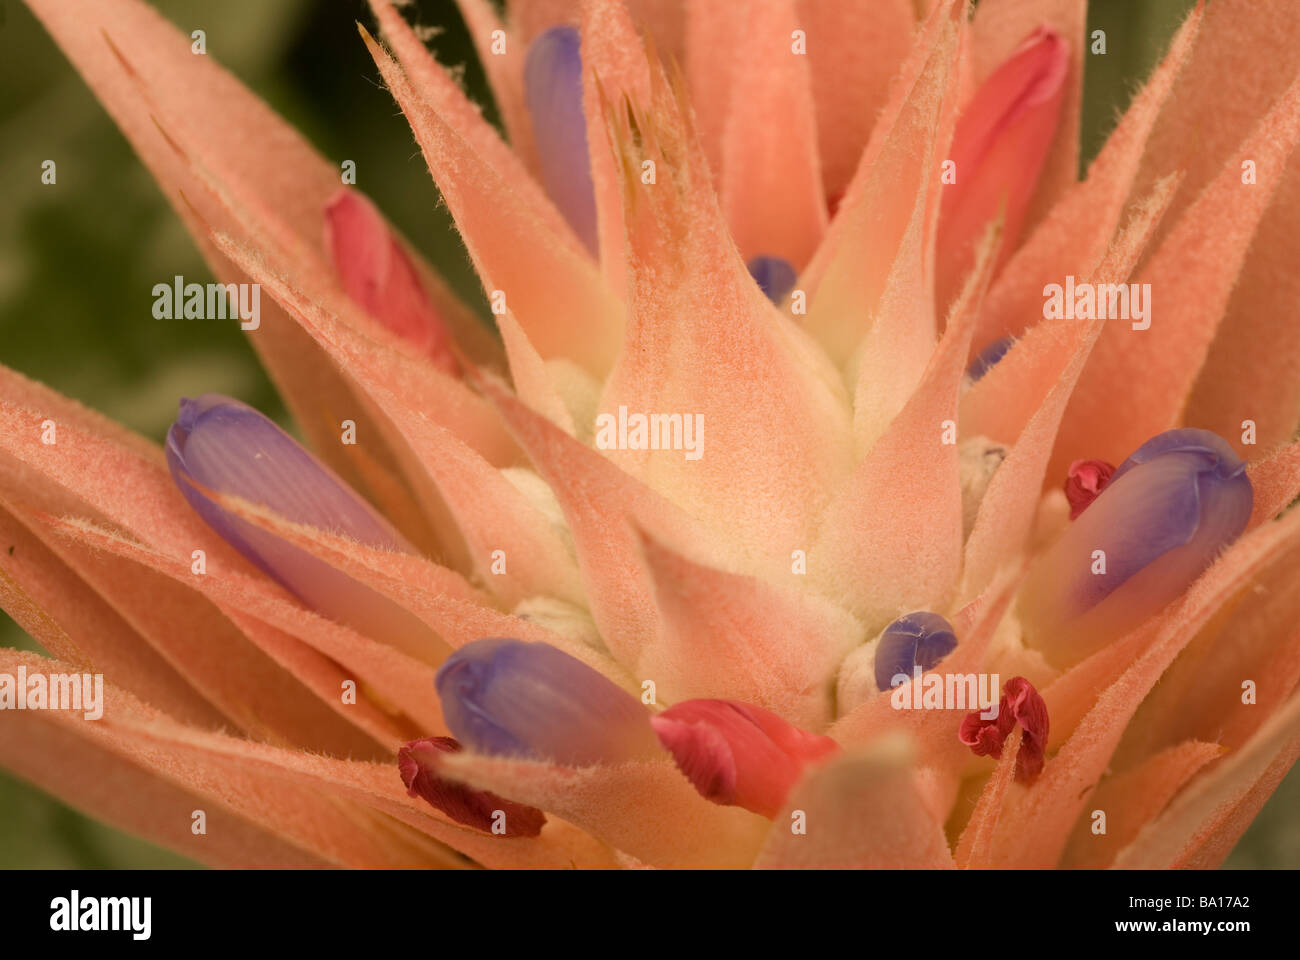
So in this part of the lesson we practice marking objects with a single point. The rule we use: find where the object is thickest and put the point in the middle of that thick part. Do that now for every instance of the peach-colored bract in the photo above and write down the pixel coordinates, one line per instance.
(915, 164)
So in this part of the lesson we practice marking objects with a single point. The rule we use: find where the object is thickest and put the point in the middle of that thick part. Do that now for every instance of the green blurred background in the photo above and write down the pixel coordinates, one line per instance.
(78, 261)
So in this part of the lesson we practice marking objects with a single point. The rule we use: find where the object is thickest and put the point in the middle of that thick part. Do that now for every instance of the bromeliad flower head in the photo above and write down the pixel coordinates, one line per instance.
(829, 241)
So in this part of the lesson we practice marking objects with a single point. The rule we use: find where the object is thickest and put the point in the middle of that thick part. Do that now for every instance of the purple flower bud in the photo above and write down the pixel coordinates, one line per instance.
(220, 446)
(507, 697)
(918, 639)
(776, 277)
(229, 447)
(553, 93)
(987, 358)
(1165, 515)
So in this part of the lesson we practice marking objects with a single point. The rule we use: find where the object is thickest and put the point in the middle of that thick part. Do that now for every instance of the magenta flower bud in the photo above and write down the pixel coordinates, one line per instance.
(1020, 704)
(221, 446)
(418, 763)
(376, 272)
(737, 754)
(1161, 520)
(530, 700)
(1084, 483)
(553, 93)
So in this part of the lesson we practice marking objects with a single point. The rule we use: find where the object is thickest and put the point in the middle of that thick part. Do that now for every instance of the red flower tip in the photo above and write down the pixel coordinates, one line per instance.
(1086, 479)
(376, 272)
(1020, 703)
(417, 762)
(739, 755)
(999, 147)
(985, 737)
